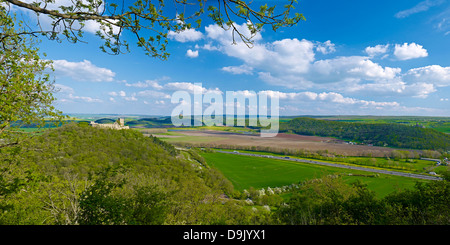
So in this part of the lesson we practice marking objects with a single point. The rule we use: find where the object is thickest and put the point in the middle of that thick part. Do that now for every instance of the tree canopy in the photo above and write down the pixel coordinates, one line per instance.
(26, 90)
(151, 21)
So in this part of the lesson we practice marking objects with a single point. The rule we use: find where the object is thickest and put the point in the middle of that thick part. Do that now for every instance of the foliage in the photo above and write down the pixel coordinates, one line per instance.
(331, 202)
(90, 176)
(150, 22)
(82, 175)
(98, 205)
(25, 89)
(379, 134)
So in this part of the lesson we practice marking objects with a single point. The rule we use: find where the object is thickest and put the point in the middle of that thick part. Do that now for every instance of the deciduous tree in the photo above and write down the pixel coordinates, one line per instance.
(151, 21)
(25, 87)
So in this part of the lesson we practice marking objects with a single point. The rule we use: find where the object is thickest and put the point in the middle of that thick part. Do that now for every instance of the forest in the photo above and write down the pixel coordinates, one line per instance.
(79, 175)
(377, 134)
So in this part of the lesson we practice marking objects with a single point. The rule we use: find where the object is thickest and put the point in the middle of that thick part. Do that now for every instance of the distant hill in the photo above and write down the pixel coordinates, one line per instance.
(105, 120)
(378, 134)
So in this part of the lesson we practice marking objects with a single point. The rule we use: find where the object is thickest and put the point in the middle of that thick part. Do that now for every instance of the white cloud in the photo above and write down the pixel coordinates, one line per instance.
(278, 57)
(122, 94)
(192, 54)
(409, 51)
(84, 99)
(189, 87)
(64, 89)
(216, 32)
(291, 63)
(377, 50)
(90, 26)
(434, 74)
(131, 98)
(82, 71)
(326, 47)
(162, 91)
(243, 69)
(329, 97)
(419, 90)
(147, 83)
(353, 67)
(420, 7)
(441, 22)
(153, 94)
(188, 35)
(210, 47)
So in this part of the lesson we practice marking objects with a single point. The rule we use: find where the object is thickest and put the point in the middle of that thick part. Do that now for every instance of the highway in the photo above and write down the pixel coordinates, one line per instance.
(417, 176)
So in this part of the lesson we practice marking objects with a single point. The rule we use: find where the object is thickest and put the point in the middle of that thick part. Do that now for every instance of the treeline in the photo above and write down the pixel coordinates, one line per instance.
(329, 201)
(320, 154)
(377, 134)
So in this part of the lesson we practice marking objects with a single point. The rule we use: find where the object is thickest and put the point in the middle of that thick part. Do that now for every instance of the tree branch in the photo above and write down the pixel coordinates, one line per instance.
(72, 16)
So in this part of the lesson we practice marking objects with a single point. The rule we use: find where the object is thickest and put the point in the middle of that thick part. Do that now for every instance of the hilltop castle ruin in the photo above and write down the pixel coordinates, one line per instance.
(119, 124)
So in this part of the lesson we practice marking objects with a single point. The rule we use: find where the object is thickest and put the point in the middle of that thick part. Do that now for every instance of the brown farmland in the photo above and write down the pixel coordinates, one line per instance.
(280, 142)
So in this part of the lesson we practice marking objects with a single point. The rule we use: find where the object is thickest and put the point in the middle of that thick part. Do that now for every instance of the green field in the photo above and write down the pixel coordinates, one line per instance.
(406, 165)
(246, 171)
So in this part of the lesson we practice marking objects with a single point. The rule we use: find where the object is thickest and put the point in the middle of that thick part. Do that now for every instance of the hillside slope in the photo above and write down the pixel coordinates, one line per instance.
(82, 175)
(379, 134)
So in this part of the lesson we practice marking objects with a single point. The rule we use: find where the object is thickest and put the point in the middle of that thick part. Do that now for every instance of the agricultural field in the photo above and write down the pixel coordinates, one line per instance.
(246, 172)
(281, 142)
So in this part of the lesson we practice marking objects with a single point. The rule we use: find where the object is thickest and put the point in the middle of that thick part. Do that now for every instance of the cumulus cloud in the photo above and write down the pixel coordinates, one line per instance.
(192, 54)
(326, 47)
(434, 74)
(82, 71)
(409, 51)
(377, 50)
(291, 63)
(287, 55)
(354, 68)
(188, 35)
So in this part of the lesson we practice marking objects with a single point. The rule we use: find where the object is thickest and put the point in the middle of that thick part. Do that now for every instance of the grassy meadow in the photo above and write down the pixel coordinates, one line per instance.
(246, 171)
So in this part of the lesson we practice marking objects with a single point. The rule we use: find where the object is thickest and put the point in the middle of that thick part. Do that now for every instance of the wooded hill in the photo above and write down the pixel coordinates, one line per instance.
(82, 175)
(378, 134)
(77, 174)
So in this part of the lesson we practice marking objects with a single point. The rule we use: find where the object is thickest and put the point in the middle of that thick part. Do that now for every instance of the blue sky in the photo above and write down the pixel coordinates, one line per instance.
(348, 58)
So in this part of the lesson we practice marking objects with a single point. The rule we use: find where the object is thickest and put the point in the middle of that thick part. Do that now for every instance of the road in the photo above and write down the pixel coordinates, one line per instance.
(417, 176)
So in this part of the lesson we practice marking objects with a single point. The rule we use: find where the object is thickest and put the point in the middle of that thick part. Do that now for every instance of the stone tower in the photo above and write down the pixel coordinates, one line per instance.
(121, 122)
